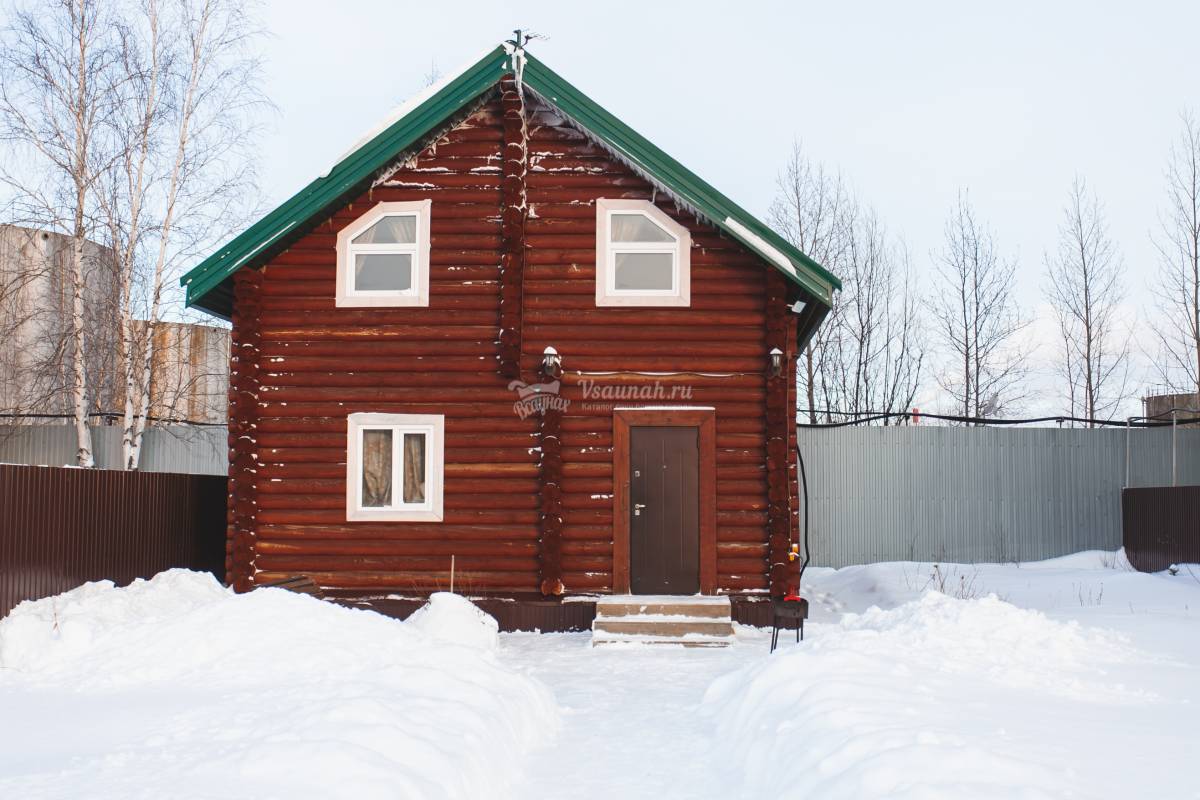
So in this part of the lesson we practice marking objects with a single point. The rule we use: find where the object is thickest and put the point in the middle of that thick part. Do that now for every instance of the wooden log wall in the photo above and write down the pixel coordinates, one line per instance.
(716, 349)
(244, 373)
(550, 574)
(319, 363)
(512, 227)
(781, 430)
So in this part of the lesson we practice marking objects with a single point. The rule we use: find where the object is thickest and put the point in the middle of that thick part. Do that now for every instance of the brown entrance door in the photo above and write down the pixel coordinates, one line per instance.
(664, 510)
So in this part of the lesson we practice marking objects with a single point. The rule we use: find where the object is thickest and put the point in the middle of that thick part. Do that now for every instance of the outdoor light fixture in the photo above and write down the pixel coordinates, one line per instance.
(551, 362)
(776, 366)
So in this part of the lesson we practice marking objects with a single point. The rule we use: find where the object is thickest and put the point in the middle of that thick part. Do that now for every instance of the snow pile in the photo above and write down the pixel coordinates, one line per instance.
(89, 625)
(176, 687)
(453, 618)
(938, 697)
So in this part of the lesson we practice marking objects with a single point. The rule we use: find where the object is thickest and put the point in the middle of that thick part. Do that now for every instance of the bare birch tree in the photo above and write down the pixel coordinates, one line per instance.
(1086, 293)
(1177, 327)
(138, 117)
(868, 356)
(978, 320)
(56, 88)
(185, 175)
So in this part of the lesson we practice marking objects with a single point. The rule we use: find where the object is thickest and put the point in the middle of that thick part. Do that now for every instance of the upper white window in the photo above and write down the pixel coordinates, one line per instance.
(394, 467)
(643, 257)
(383, 257)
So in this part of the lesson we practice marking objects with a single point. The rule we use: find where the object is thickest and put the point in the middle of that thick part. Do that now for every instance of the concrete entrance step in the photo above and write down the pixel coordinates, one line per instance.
(690, 621)
(663, 626)
(666, 605)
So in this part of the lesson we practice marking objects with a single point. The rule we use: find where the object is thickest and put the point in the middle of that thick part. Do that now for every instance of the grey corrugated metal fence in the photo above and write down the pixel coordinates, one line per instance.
(183, 449)
(61, 527)
(975, 494)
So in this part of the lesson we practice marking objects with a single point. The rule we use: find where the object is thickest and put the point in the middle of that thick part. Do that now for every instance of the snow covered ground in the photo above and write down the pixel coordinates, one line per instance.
(177, 688)
(1079, 678)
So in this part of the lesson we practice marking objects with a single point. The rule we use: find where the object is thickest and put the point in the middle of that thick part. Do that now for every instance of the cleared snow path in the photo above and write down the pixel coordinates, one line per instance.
(1080, 678)
(632, 724)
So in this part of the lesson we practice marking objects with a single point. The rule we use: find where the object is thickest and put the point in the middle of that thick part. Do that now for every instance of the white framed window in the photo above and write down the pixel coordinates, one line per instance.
(643, 257)
(383, 257)
(394, 467)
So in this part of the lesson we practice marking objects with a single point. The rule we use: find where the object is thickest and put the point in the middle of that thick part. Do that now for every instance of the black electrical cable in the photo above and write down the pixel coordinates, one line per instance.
(804, 491)
(1135, 422)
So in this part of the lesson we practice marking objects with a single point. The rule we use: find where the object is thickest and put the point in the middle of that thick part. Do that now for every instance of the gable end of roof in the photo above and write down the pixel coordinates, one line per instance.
(208, 284)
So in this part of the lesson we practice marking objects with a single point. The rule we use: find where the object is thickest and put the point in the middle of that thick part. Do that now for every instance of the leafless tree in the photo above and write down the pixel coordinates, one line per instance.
(1086, 293)
(433, 75)
(137, 118)
(978, 320)
(184, 175)
(874, 348)
(56, 88)
(813, 210)
(869, 353)
(1177, 327)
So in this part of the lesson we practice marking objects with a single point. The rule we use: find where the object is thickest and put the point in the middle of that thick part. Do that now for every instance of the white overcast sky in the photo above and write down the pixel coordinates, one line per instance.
(910, 100)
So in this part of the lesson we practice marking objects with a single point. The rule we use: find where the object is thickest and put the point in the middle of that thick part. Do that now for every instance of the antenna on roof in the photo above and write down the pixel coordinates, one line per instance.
(521, 39)
(516, 48)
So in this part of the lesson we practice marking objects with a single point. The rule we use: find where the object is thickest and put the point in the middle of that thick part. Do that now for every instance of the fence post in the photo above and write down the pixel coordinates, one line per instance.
(1174, 445)
(1128, 426)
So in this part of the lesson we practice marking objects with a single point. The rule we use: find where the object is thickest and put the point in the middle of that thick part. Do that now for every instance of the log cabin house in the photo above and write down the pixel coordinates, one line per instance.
(508, 332)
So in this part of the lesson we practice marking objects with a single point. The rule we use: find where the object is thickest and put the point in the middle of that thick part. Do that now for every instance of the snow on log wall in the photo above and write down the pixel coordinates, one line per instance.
(716, 347)
(319, 363)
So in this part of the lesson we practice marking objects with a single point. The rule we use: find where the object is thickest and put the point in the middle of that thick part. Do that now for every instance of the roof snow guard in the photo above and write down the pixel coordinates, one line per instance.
(209, 286)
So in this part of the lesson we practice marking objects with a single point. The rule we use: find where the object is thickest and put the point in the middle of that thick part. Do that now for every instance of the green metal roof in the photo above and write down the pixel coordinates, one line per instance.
(208, 284)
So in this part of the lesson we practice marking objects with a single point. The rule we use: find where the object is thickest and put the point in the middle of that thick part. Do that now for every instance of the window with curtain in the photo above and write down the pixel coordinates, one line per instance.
(394, 466)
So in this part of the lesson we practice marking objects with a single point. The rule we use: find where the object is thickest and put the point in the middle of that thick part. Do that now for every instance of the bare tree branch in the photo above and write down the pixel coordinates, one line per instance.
(1086, 293)
(869, 353)
(1177, 327)
(978, 320)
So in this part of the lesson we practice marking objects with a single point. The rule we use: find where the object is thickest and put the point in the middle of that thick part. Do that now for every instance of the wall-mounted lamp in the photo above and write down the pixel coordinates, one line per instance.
(775, 364)
(551, 363)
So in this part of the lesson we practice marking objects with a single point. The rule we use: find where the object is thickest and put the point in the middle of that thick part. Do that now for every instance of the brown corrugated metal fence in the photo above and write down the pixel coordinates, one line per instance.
(61, 527)
(1161, 526)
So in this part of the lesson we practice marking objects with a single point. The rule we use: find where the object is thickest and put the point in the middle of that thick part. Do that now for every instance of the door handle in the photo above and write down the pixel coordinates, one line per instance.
(637, 509)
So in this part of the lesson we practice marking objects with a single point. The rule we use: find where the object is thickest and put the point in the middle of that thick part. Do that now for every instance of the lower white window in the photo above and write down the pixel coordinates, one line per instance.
(394, 467)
